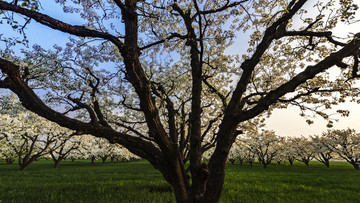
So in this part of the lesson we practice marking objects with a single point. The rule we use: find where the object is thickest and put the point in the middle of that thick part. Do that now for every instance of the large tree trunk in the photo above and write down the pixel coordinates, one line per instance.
(217, 162)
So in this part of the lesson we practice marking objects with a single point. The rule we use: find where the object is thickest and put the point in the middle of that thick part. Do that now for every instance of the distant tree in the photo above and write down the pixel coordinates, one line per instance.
(65, 143)
(104, 149)
(346, 143)
(90, 148)
(28, 135)
(281, 155)
(304, 149)
(265, 145)
(322, 152)
(289, 150)
(236, 153)
(6, 151)
(154, 76)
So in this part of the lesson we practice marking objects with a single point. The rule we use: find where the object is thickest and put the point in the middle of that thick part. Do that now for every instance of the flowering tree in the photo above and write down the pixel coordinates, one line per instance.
(237, 152)
(120, 153)
(90, 147)
(289, 150)
(346, 143)
(6, 151)
(322, 152)
(28, 136)
(169, 97)
(64, 144)
(105, 149)
(304, 149)
(265, 145)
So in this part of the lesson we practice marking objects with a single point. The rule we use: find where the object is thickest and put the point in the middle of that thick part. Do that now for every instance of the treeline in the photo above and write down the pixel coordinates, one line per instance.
(266, 147)
(25, 137)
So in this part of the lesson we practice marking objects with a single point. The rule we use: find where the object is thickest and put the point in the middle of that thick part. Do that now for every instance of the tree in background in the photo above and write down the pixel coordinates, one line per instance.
(169, 96)
(304, 149)
(28, 135)
(289, 150)
(346, 143)
(104, 150)
(6, 151)
(322, 152)
(265, 145)
(65, 143)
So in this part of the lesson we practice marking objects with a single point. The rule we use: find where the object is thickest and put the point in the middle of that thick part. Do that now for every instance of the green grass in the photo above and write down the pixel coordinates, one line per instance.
(140, 182)
(298, 183)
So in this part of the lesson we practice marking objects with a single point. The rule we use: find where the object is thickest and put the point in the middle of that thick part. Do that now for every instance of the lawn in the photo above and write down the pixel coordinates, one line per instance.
(80, 181)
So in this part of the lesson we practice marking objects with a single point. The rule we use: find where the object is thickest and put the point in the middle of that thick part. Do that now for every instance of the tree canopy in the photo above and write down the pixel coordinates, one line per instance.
(155, 76)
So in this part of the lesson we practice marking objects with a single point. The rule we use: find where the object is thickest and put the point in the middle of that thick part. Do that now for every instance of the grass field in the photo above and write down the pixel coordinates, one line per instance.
(80, 181)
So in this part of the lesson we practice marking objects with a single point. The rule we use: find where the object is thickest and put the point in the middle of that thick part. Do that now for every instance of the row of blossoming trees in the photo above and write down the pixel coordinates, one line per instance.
(266, 147)
(26, 137)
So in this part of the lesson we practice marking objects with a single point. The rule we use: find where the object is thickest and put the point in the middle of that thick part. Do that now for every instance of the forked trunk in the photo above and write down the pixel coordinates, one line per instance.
(291, 162)
(24, 165)
(306, 162)
(264, 163)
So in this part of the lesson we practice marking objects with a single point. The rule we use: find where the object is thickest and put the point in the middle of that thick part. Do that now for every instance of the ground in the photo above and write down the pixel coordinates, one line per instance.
(80, 181)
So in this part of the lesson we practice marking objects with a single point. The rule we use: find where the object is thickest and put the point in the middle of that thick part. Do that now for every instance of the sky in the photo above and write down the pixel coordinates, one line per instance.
(285, 122)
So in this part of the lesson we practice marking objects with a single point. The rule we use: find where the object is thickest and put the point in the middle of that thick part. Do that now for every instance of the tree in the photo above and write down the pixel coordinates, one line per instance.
(90, 148)
(265, 145)
(171, 108)
(64, 144)
(289, 150)
(322, 152)
(28, 135)
(304, 149)
(346, 143)
(6, 151)
(105, 149)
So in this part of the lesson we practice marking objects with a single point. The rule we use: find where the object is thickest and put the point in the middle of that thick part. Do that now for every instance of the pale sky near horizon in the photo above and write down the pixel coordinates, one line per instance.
(285, 122)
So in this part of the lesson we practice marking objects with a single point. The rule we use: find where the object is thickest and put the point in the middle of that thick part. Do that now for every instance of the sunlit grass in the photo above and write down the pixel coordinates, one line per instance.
(140, 182)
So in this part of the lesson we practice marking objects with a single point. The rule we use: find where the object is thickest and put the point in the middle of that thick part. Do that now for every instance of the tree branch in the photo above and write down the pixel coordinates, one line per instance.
(308, 73)
(32, 102)
(172, 36)
(46, 20)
